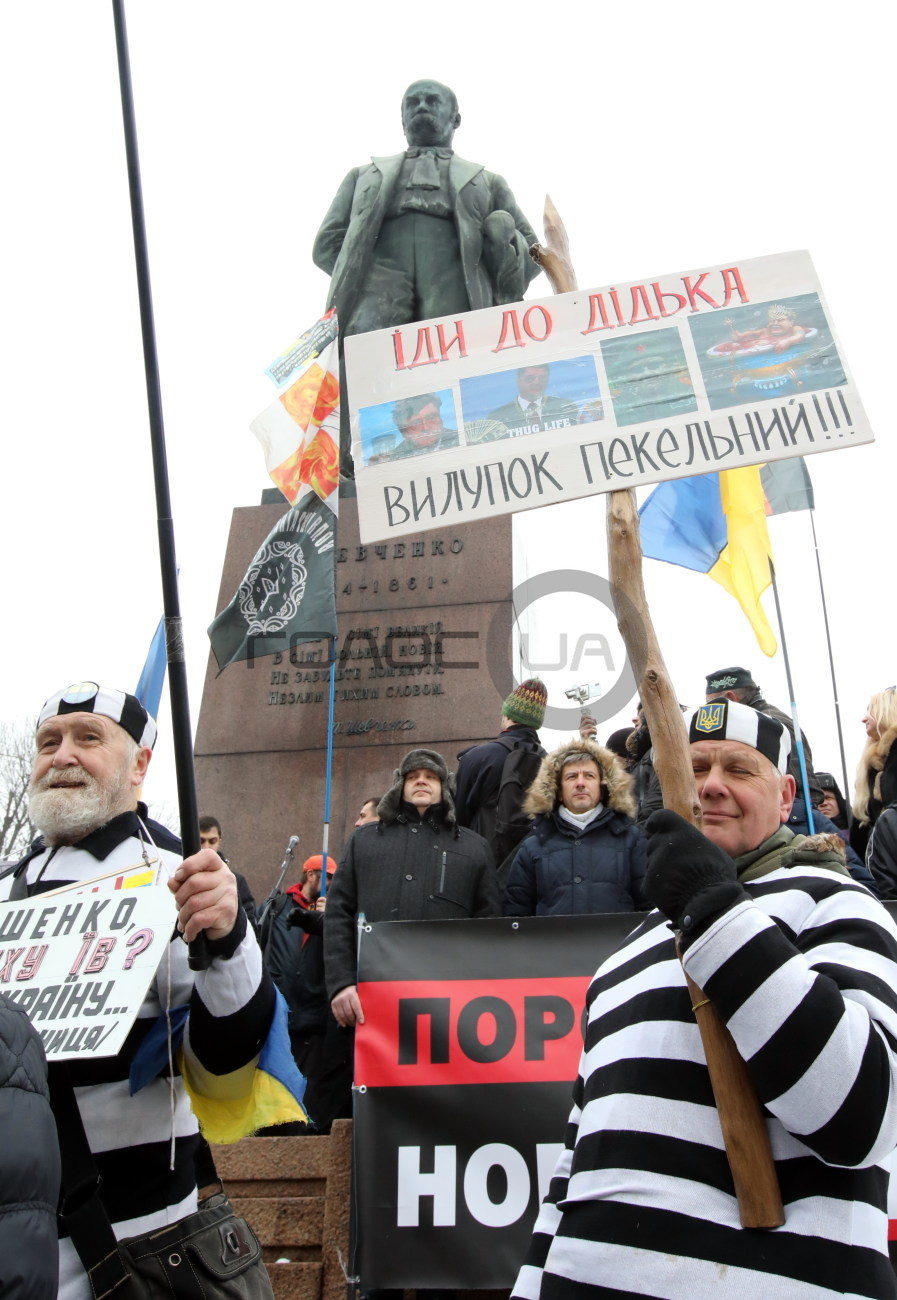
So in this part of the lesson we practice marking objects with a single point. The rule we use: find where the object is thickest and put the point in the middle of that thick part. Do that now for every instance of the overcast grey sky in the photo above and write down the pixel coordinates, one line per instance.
(669, 138)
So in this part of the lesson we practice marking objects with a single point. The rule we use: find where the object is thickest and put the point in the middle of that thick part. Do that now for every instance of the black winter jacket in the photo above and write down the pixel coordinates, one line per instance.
(478, 777)
(646, 787)
(881, 854)
(411, 869)
(29, 1166)
(294, 954)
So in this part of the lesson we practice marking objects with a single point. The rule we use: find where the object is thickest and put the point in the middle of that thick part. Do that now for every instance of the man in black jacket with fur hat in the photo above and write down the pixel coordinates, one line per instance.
(414, 864)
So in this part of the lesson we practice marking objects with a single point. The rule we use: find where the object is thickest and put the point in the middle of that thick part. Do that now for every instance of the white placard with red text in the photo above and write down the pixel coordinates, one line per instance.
(657, 379)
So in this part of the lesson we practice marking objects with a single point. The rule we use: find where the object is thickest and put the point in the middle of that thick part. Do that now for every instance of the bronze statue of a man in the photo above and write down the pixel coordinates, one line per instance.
(422, 233)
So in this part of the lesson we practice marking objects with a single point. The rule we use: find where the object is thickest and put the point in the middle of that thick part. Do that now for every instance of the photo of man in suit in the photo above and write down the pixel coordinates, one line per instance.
(534, 409)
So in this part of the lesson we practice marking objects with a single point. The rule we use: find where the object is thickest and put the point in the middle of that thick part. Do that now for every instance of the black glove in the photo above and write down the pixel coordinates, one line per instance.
(689, 878)
(312, 922)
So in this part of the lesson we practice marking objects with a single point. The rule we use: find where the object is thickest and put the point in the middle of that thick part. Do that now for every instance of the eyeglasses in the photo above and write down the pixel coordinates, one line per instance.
(422, 423)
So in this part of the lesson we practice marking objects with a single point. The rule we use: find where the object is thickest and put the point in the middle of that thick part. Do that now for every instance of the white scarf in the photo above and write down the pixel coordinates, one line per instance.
(580, 820)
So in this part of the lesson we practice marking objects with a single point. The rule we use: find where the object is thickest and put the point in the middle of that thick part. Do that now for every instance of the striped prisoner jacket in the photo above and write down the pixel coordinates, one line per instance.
(641, 1202)
(231, 1005)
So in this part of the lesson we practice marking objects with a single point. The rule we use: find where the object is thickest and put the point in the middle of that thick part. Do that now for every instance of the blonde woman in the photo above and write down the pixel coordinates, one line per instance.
(876, 782)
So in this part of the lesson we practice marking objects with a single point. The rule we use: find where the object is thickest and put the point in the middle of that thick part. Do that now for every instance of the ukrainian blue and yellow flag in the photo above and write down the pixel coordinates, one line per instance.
(265, 1092)
(270, 1092)
(716, 524)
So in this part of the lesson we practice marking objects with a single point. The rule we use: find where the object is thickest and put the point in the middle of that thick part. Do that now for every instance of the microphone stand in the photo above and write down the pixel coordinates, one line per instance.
(287, 859)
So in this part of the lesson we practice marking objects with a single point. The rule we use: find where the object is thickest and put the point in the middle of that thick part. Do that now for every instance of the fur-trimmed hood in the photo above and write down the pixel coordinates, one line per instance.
(616, 785)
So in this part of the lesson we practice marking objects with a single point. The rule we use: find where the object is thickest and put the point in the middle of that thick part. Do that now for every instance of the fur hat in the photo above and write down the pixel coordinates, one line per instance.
(616, 784)
(389, 805)
(526, 703)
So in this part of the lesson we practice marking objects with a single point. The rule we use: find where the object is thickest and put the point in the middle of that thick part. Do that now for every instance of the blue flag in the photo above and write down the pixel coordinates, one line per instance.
(152, 678)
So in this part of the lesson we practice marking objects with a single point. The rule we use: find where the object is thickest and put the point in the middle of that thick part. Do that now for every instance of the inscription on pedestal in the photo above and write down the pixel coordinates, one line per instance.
(415, 619)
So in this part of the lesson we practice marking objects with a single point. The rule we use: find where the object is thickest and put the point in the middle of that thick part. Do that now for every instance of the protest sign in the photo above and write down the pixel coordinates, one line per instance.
(532, 403)
(464, 1068)
(78, 960)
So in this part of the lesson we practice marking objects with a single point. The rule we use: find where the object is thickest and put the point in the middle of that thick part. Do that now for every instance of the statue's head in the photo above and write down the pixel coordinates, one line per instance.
(429, 113)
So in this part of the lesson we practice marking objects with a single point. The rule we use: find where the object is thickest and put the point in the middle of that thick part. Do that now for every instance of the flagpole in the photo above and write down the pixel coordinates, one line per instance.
(325, 838)
(831, 662)
(174, 636)
(798, 738)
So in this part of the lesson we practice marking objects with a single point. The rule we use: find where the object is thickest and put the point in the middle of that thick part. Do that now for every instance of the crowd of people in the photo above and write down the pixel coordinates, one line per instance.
(778, 917)
(773, 919)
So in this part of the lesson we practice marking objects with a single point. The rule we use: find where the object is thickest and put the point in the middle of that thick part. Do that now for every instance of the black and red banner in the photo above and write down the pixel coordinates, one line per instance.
(463, 1072)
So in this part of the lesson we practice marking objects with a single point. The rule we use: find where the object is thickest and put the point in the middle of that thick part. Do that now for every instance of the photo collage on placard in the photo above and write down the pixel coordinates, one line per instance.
(752, 352)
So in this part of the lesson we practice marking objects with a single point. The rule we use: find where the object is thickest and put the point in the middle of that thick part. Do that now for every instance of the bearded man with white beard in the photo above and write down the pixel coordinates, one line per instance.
(93, 748)
(67, 804)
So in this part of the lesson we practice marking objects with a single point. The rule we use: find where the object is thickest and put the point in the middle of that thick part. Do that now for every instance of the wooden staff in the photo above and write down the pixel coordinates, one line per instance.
(741, 1118)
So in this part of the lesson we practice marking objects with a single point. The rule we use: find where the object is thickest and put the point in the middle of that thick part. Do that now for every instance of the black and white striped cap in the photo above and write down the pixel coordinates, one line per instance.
(726, 720)
(88, 697)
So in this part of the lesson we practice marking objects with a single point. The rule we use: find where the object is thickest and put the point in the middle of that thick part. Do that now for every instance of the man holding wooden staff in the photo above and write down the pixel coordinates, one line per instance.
(801, 965)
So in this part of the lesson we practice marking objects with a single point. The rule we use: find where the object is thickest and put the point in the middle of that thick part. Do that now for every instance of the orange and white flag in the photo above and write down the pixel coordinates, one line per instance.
(299, 432)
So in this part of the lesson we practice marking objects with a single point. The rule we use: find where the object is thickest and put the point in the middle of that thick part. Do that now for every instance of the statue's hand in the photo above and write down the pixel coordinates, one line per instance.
(504, 256)
(499, 226)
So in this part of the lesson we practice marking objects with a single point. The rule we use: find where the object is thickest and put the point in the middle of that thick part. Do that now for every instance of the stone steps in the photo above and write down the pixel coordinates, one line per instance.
(283, 1221)
(295, 1193)
(295, 1281)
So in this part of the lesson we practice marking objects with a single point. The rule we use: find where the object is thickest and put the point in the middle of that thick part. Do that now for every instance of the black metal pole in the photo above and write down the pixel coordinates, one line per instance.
(798, 738)
(174, 635)
(831, 662)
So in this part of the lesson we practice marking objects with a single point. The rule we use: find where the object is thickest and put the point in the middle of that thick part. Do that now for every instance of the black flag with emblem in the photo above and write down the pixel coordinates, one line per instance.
(287, 595)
